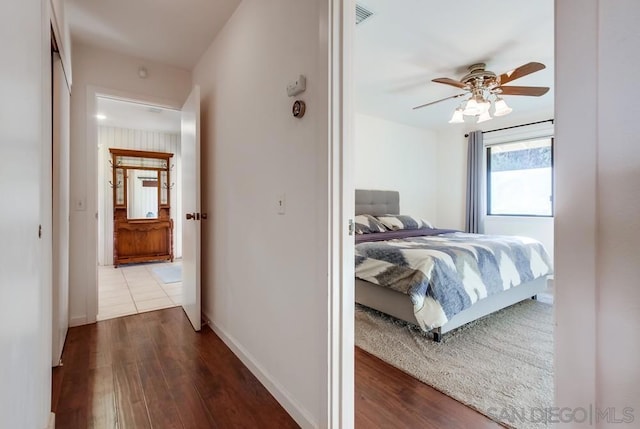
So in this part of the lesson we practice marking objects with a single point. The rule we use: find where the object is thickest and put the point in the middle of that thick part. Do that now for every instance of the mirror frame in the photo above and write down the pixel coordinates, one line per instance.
(123, 160)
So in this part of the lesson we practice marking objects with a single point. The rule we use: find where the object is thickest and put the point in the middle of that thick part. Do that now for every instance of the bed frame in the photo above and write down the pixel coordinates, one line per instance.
(399, 305)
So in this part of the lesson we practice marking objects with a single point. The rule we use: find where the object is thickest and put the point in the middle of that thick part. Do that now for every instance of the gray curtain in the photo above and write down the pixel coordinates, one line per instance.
(475, 173)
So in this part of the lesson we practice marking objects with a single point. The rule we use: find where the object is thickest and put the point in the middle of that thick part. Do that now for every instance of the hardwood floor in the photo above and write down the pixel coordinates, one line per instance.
(151, 370)
(389, 398)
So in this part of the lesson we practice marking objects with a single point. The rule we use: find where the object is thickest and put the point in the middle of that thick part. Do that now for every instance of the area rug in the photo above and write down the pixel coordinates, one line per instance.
(168, 273)
(500, 365)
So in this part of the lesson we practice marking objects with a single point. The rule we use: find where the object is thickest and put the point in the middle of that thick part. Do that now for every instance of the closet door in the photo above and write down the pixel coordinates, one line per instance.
(60, 185)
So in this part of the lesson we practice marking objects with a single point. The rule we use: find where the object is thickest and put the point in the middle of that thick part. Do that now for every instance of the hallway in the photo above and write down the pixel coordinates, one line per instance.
(151, 370)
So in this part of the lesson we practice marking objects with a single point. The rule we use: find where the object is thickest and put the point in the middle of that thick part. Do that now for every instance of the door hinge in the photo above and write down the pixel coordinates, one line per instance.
(351, 227)
(39, 231)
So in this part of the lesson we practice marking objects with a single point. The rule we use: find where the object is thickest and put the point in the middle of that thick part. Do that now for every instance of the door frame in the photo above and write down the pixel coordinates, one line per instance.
(341, 327)
(91, 270)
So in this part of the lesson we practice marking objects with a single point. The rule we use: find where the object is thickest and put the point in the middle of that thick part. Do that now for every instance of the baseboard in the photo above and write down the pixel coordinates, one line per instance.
(52, 421)
(77, 321)
(298, 413)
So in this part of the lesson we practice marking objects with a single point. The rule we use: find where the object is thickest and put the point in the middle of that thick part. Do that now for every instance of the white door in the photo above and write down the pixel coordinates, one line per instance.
(191, 226)
(61, 153)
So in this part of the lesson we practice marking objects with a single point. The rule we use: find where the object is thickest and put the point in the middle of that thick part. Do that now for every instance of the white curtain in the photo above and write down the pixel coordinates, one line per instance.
(475, 162)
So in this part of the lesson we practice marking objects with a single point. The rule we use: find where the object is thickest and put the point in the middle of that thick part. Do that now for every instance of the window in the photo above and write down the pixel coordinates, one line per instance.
(520, 178)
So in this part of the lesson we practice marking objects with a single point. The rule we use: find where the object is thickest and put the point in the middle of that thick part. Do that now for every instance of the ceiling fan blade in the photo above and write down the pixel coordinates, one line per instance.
(519, 72)
(438, 101)
(449, 81)
(534, 91)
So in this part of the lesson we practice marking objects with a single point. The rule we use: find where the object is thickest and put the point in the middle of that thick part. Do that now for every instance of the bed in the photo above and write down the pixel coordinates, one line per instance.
(415, 303)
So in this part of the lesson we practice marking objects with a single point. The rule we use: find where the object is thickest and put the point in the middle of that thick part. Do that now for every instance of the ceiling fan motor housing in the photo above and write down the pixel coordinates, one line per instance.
(479, 78)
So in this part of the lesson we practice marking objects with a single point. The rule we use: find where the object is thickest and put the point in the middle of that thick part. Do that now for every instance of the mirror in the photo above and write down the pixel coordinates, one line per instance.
(142, 194)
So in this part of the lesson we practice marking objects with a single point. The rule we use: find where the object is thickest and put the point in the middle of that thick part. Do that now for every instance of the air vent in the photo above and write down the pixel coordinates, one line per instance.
(362, 13)
(154, 109)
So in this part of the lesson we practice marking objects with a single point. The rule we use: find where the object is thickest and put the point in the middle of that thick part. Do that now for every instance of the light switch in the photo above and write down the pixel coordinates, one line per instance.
(282, 204)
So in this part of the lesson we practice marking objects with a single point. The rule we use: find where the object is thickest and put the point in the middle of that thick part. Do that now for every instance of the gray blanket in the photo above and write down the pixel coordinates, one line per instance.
(448, 273)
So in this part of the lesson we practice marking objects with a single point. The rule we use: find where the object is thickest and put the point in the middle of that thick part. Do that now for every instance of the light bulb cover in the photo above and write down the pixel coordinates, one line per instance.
(485, 116)
(472, 108)
(501, 108)
(457, 117)
(484, 107)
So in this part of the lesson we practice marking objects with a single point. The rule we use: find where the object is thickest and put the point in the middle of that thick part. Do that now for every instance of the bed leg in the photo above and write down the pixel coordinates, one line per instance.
(534, 297)
(437, 335)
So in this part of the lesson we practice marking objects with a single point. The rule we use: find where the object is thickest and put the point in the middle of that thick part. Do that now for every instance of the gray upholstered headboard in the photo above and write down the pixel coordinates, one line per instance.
(377, 203)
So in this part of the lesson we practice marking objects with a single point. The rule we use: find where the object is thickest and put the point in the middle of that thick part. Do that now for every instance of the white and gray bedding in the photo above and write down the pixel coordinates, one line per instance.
(445, 272)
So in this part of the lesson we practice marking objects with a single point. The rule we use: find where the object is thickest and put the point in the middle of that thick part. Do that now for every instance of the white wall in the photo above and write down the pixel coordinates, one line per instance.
(112, 137)
(598, 201)
(265, 275)
(618, 207)
(451, 178)
(25, 260)
(97, 70)
(392, 156)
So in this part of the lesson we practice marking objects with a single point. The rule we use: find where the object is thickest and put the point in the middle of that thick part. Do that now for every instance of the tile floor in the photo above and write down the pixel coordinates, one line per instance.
(133, 288)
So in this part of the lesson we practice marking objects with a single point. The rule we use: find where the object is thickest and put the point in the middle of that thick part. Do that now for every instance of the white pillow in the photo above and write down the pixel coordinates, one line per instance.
(397, 222)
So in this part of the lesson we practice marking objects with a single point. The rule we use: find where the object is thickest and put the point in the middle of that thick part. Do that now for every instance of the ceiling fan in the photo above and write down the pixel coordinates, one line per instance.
(482, 86)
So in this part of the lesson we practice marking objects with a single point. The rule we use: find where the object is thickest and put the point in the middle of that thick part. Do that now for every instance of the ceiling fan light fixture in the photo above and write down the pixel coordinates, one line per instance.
(457, 117)
(485, 116)
(501, 108)
(483, 88)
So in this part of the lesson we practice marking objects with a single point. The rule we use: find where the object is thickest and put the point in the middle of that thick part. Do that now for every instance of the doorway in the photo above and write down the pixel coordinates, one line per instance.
(132, 288)
(405, 141)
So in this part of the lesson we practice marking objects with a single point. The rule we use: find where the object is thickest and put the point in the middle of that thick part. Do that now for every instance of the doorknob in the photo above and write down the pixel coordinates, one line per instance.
(191, 216)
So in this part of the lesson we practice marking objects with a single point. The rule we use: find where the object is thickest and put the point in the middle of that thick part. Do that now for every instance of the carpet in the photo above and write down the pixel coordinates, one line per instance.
(168, 273)
(500, 365)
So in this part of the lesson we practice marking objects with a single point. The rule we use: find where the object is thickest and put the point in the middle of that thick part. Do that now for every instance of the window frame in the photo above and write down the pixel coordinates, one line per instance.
(488, 179)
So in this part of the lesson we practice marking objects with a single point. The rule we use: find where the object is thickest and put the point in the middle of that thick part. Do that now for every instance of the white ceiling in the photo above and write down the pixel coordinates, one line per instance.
(397, 51)
(174, 32)
(124, 114)
(406, 43)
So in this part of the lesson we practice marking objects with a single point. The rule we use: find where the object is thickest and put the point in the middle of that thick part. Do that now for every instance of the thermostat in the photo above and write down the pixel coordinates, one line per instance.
(298, 109)
(297, 87)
